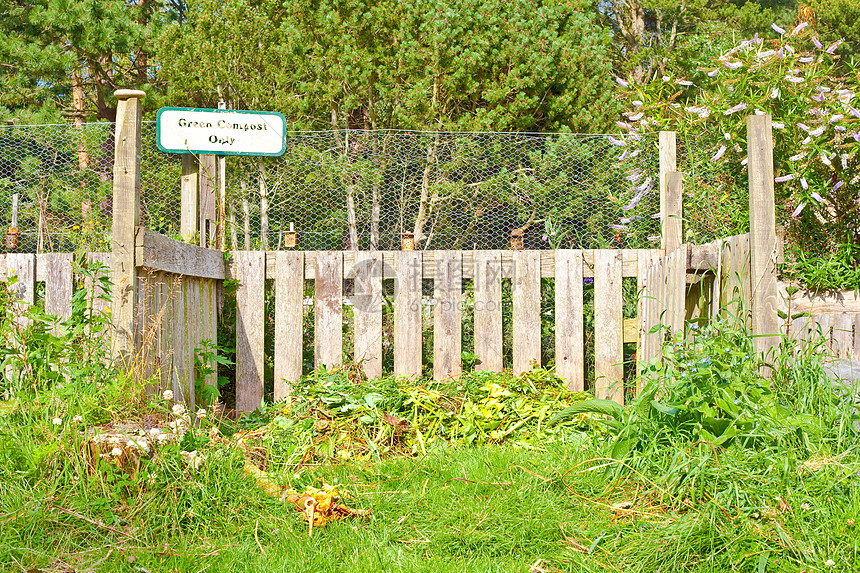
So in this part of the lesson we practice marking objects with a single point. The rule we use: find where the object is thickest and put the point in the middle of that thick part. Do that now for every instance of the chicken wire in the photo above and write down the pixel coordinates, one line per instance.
(351, 188)
(62, 176)
(339, 190)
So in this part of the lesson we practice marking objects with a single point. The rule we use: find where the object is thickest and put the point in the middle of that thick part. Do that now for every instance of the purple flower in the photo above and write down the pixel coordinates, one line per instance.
(839, 127)
(799, 27)
(777, 29)
(622, 83)
(803, 183)
(856, 137)
(734, 109)
(713, 73)
(635, 116)
(817, 197)
(622, 125)
(805, 59)
(817, 132)
(817, 97)
(719, 153)
(832, 48)
(853, 111)
(816, 42)
(624, 155)
(793, 79)
(806, 141)
(684, 82)
(839, 184)
(796, 213)
(616, 227)
(765, 54)
(616, 142)
(784, 178)
(588, 281)
(803, 126)
(732, 65)
(777, 125)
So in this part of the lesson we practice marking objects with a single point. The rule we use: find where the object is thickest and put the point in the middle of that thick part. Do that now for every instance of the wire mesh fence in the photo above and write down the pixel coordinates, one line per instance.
(348, 189)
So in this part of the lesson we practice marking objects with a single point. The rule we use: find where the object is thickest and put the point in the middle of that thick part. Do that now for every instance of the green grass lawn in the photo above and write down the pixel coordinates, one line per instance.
(481, 509)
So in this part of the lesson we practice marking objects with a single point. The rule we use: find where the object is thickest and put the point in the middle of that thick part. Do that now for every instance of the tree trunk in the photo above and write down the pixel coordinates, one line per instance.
(425, 205)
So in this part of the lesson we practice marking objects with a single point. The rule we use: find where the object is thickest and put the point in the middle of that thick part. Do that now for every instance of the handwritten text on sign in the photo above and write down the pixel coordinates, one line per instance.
(220, 131)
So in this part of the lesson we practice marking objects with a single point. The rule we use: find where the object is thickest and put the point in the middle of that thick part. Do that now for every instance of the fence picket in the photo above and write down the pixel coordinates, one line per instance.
(648, 307)
(407, 314)
(328, 309)
(856, 354)
(58, 283)
(822, 324)
(569, 326)
(447, 316)
(488, 310)
(608, 327)
(289, 312)
(676, 292)
(367, 305)
(211, 329)
(525, 288)
(250, 328)
(842, 335)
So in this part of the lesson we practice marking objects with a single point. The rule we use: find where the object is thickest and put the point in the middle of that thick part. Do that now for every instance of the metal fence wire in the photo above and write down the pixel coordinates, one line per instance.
(349, 189)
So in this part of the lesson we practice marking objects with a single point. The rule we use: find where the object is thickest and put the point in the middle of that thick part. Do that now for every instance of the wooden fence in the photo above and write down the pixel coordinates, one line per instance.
(165, 299)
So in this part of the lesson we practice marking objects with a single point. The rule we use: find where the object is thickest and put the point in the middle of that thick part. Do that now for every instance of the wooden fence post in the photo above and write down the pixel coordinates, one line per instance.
(189, 197)
(672, 211)
(126, 217)
(668, 164)
(763, 241)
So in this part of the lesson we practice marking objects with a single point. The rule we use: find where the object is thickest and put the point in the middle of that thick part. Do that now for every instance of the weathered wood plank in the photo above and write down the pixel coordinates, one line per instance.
(735, 280)
(525, 288)
(22, 266)
(250, 328)
(126, 216)
(156, 251)
(569, 320)
(367, 302)
(57, 272)
(843, 335)
(629, 266)
(179, 372)
(820, 302)
(821, 329)
(289, 290)
(763, 241)
(210, 302)
(650, 276)
(189, 197)
(208, 199)
(447, 316)
(328, 311)
(856, 353)
(407, 314)
(676, 289)
(488, 310)
(608, 327)
(672, 212)
(668, 163)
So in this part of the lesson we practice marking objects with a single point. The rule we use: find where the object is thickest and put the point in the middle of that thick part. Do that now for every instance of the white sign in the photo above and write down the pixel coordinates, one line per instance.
(220, 131)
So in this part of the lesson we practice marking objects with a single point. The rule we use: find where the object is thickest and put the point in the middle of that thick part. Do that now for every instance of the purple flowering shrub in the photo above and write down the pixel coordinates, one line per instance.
(813, 100)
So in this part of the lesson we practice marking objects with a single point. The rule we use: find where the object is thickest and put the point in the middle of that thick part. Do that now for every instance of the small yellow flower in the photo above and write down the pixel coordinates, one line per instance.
(75, 227)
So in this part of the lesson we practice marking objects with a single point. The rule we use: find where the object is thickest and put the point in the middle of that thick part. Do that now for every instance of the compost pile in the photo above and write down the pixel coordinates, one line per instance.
(335, 417)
